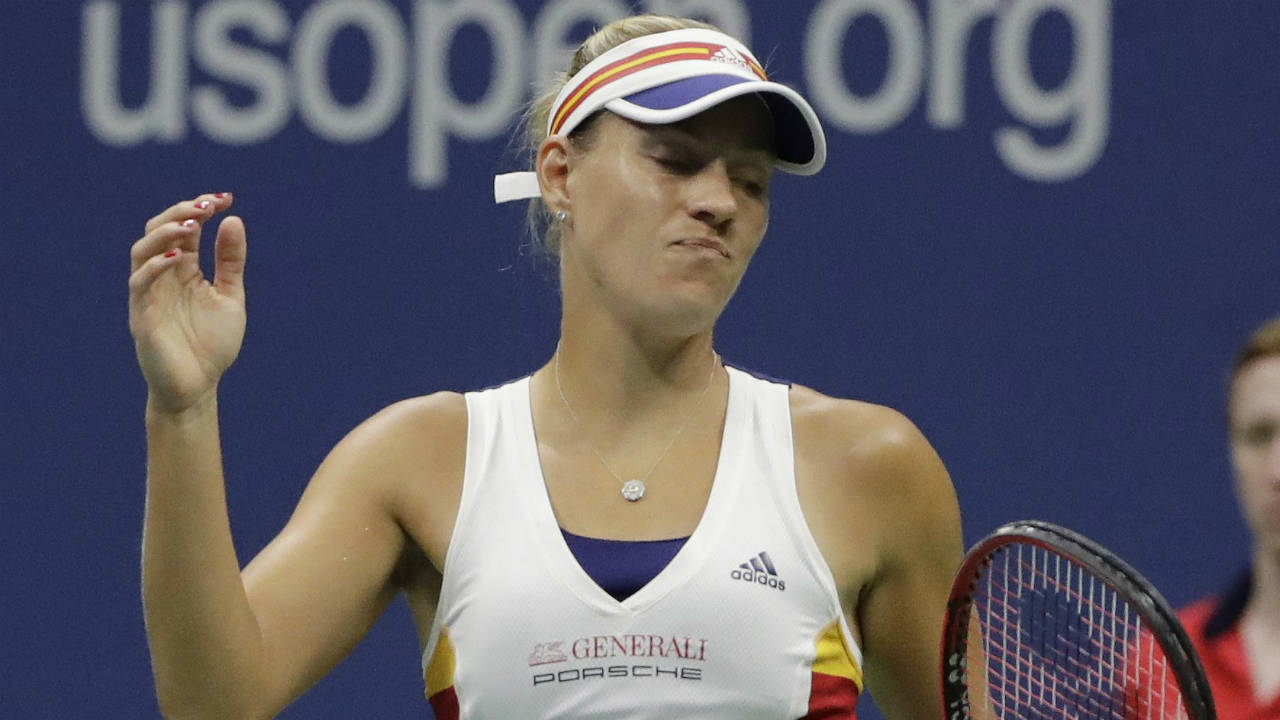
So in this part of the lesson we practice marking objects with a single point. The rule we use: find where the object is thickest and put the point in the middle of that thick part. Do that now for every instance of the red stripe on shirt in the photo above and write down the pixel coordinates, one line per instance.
(445, 704)
(832, 697)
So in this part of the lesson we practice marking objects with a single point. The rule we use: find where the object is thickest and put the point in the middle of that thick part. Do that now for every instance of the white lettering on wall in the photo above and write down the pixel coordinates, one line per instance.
(953, 21)
(824, 61)
(161, 115)
(258, 70)
(385, 34)
(437, 112)
(251, 44)
(1083, 99)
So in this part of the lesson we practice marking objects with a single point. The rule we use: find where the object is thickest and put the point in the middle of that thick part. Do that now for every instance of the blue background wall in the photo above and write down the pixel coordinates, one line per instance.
(1057, 318)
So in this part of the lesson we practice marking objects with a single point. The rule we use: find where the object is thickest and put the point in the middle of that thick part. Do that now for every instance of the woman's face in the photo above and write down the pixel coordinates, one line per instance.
(1255, 448)
(665, 218)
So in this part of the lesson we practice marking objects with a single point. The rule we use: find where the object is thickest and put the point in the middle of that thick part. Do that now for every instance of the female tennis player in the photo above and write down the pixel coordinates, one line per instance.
(636, 530)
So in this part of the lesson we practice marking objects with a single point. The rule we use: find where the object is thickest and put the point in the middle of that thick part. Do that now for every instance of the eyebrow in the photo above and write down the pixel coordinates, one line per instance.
(681, 139)
(668, 135)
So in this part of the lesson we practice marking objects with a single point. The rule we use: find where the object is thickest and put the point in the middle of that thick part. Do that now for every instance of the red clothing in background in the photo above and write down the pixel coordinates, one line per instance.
(1214, 626)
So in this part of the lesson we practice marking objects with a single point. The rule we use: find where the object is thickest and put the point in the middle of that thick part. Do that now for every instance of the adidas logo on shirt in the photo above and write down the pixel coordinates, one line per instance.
(759, 569)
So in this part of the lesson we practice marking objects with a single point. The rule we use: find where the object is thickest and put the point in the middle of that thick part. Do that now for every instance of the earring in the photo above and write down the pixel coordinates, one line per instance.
(561, 216)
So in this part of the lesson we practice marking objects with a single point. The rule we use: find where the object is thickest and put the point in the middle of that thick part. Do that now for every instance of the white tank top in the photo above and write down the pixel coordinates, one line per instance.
(743, 623)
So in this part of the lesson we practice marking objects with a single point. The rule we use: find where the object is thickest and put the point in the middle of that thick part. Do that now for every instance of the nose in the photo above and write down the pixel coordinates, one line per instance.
(711, 198)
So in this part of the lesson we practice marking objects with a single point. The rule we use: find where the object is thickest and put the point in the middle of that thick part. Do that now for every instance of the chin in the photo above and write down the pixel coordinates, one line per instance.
(1266, 537)
(686, 313)
(1267, 549)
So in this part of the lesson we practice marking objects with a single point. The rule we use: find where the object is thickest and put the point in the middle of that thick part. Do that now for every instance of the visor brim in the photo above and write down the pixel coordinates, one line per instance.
(799, 140)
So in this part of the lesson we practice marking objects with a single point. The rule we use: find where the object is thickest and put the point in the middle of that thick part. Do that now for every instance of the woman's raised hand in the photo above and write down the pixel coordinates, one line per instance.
(186, 330)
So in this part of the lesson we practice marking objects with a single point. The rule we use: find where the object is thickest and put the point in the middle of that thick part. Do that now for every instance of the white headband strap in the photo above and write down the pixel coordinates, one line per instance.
(522, 185)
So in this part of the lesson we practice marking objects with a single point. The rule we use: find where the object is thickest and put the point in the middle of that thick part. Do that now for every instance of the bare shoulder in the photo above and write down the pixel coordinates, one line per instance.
(426, 429)
(870, 484)
(410, 456)
(874, 447)
(424, 424)
(841, 420)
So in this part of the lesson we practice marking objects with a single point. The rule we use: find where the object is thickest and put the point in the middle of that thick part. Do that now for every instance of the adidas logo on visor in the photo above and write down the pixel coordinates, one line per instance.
(730, 56)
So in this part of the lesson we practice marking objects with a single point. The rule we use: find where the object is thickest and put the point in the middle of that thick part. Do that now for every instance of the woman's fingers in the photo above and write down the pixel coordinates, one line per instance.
(146, 274)
(167, 244)
(200, 208)
(229, 253)
(174, 235)
(184, 335)
(178, 226)
(161, 239)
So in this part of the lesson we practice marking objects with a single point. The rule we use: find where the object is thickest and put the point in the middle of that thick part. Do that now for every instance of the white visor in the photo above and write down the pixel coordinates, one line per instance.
(671, 76)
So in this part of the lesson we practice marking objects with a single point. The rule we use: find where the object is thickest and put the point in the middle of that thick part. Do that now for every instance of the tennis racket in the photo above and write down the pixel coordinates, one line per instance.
(1044, 624)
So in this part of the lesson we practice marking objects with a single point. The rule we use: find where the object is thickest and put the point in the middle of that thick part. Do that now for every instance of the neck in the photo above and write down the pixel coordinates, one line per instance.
(624, 382)
(1263, 610)
(1260, 626)
(608, 365)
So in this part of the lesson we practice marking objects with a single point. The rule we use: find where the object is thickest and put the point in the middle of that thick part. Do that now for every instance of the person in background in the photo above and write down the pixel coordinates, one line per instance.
(1237, 632)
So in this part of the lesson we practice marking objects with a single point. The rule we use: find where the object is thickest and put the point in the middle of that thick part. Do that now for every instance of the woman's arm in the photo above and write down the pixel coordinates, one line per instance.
(387, 493)
(225, 644)
(187, 331)
(920, 548)
(231, 644)
(882, 508)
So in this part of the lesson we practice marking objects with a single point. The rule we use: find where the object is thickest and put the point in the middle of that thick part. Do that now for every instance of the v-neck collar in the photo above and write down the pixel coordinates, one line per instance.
(534, 499)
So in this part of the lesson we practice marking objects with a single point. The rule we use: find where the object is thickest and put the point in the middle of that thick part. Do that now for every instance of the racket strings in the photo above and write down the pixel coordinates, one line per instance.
(1058, 643)
(1106, 620)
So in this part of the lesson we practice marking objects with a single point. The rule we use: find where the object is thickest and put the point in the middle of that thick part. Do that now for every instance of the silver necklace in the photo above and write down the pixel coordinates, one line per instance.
(634, 488)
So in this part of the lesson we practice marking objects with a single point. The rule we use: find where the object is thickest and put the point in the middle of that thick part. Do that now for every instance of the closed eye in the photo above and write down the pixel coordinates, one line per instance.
(751, 187)
(677, 165)
(1259, 434)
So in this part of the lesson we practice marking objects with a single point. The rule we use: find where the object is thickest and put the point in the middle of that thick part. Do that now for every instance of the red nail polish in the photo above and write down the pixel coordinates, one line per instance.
(189, 222)
(172, 252)
(219, 195)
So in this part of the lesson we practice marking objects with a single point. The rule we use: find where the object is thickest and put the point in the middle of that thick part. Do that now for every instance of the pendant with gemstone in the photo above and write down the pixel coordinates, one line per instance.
(633, 490)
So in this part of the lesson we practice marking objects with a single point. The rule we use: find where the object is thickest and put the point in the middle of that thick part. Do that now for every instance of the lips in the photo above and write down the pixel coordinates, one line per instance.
(707, 243)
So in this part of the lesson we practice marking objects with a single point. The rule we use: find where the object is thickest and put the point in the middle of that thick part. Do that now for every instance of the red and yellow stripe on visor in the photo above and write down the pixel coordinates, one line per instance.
(642, 60)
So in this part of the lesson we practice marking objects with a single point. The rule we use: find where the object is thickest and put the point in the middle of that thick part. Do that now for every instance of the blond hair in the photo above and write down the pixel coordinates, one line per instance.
(1264, 342)
(546, 234)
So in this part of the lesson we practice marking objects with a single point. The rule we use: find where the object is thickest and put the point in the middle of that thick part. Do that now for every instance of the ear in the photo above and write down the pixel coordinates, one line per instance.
(552, 168)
